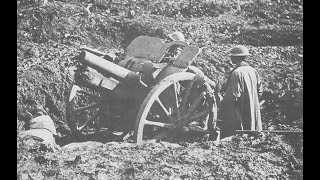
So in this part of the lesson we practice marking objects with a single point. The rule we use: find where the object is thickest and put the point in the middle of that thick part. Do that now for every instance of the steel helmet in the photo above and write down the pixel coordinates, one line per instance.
(239, 50)
(177, 36)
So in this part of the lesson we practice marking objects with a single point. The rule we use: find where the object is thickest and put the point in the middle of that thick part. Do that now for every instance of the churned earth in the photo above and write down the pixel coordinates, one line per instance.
(242, 157)
(49, 34)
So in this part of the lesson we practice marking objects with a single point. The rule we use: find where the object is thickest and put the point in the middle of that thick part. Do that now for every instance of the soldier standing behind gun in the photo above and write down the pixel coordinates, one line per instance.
(240, 109)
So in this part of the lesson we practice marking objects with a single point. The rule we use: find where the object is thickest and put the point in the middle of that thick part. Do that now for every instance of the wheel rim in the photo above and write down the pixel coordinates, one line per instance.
(183, 98)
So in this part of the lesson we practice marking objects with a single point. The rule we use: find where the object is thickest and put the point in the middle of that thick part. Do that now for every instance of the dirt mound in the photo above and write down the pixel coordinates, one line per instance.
(241, 157)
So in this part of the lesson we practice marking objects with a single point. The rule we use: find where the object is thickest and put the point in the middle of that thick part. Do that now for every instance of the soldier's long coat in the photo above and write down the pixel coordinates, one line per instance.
(240, 107)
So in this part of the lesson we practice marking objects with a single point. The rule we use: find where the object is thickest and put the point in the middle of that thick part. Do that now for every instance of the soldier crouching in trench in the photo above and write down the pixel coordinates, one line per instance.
(175, 51)
(40, 127)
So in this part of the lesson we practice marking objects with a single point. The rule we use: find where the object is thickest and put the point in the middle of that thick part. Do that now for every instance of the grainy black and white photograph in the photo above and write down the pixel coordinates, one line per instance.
(163, 89)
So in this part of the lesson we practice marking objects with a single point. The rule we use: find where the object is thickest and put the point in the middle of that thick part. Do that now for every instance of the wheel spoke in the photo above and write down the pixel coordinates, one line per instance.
(160, 124)
(176, 101)
(86, 107)
(73, 92)
(162, 106)
(95, 116)
(165, 110)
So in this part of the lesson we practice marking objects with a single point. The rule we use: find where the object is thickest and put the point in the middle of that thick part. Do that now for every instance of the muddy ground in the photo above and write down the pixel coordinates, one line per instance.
(49, 34)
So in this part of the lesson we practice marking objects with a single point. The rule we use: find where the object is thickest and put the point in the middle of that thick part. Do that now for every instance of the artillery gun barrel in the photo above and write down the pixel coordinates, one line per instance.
(106, 67)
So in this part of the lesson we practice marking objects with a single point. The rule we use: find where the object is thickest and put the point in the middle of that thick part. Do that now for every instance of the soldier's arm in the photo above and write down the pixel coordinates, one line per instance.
(234, 87)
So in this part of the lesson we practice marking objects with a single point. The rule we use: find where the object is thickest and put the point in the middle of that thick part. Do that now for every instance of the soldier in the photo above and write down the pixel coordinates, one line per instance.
(178, 36)
(41, 127)
(175, 50)
(240, 109)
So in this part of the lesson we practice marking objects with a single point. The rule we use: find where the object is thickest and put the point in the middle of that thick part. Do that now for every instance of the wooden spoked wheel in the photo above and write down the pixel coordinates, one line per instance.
(84, 110)
(174, 104)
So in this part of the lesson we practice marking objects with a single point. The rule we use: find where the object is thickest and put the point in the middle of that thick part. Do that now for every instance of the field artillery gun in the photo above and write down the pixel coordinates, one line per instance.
(145, 91)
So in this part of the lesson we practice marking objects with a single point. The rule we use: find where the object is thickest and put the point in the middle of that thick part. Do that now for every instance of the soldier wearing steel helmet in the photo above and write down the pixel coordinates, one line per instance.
(40, 127)
(179, 36)
(174, 50)
(240, 109)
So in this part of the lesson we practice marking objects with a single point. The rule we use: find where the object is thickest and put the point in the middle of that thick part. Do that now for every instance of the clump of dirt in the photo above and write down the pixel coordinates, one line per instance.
(49, 34)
